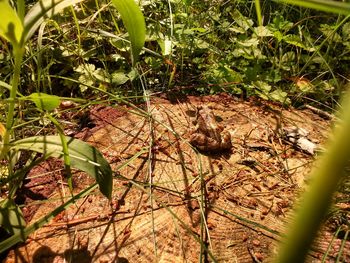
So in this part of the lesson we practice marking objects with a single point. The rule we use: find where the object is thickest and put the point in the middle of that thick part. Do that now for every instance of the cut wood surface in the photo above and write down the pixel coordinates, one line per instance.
(172, 203)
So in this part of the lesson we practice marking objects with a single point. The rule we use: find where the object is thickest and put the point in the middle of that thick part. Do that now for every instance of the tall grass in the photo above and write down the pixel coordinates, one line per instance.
(16, 27)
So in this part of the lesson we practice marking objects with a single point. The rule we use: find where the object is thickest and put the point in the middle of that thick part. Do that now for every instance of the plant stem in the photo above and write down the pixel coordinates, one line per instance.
(18, 52)
(258, 12)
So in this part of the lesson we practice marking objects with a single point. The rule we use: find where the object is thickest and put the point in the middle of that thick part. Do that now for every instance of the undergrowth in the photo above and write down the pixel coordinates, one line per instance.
(298, 55)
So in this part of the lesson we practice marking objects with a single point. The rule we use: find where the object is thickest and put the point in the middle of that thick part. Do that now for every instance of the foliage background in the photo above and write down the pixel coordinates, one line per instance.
(201, 46)
(296, 56)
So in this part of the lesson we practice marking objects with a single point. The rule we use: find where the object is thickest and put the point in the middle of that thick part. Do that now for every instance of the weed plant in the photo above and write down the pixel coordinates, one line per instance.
(297, 55)
(283, 53)
(16, 29)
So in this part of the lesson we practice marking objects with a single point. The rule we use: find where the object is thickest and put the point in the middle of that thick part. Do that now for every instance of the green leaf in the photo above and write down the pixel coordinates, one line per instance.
(278, 35)
(166, 46)
(45, 101)
(251, 42)
(330, 33)
(41, 10)
(346, 31)
(11, 217)
(223, 74)
(237, 29)
(324, 5)
(119, 78)
(134, 23)
(296, 41)
(11, 27)
(82, 156)
(262, 31)
(242, 21)
(280, 24)
(262, 86)
(280, 96)
(199, 29)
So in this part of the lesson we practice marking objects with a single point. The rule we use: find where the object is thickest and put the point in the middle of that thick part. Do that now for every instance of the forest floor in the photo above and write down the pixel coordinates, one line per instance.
(171, 203)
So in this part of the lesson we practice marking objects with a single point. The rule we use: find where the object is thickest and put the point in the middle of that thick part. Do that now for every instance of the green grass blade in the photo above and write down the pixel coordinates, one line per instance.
(41, 10)
(323, 5)
(82, 156)
(11, 217)
(134, 23)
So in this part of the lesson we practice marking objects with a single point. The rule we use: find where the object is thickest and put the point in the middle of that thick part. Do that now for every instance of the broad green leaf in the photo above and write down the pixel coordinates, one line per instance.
(201, 44)
(263, 86)
(119, 78)
(11, 218)
(262, 31)
(41, 10)
(280, 24)
(237, 29)
(346, 31)
(101, 75)
(278, 35)
(330, 33)
(230, 75)
(132, 74)
(166, 46)
(251, 42)
(242, 21)
(82, 156)
(296, 41)
(280, 96)
(323, 5)
(134, 23)
(85, 68)
(86, 82)
(287, 62)
(45, 101)
(223, 74)
(11, 27)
